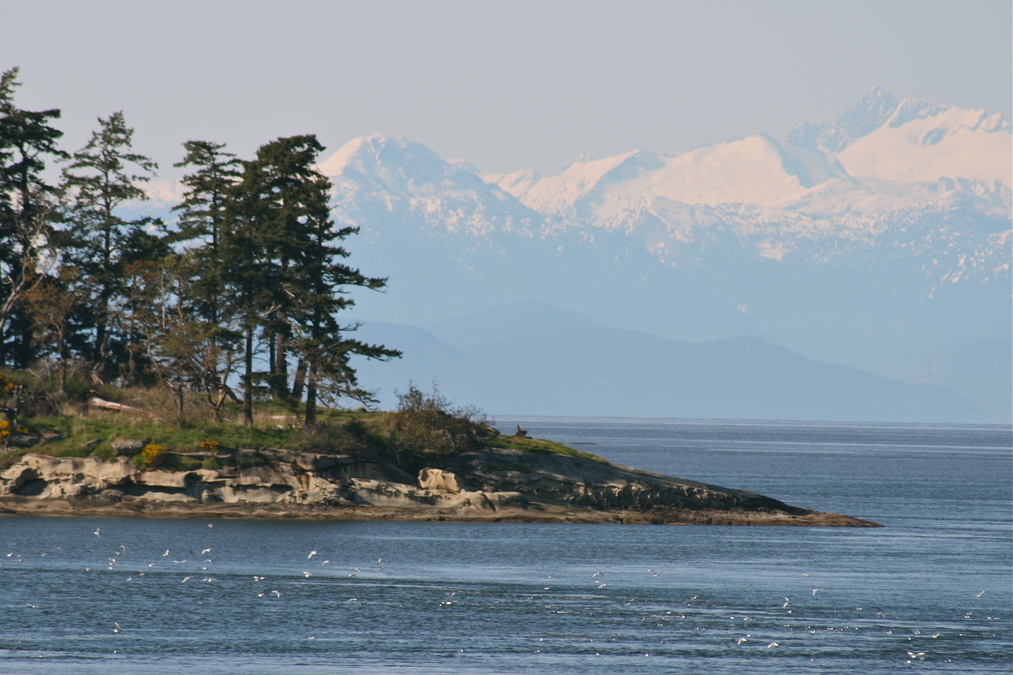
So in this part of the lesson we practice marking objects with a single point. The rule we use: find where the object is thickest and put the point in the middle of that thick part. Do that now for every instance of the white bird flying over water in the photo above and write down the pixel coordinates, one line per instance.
(312, 553)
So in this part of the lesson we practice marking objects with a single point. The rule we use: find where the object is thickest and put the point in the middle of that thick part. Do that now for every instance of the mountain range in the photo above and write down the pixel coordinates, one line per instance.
(531, 358)
(880, 242)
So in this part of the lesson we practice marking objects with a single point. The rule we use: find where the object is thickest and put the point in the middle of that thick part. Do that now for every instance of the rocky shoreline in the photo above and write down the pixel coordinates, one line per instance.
(486, 485)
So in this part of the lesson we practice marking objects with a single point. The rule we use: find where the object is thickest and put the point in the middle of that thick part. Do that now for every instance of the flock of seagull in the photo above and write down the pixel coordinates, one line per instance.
(597, 579)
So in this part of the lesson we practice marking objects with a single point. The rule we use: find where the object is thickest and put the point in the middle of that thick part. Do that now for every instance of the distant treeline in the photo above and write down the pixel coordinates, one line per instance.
(252, 270)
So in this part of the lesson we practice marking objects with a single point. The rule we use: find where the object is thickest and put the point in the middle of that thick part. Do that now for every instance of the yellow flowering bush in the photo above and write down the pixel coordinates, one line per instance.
(211, 446)
(151, 456)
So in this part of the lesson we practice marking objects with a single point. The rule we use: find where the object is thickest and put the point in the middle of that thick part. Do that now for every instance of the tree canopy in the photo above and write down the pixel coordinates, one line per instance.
(243, 288)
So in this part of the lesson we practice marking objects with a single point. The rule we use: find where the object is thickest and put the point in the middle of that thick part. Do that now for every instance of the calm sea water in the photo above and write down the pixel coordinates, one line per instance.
(931, 592)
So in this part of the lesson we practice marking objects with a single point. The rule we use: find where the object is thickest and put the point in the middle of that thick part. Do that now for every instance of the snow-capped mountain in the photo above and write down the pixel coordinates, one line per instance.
(874, 241)
(378, 176)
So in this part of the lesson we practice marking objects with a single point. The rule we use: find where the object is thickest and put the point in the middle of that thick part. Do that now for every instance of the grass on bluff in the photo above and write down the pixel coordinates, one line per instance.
(540, 446)
(425, 430)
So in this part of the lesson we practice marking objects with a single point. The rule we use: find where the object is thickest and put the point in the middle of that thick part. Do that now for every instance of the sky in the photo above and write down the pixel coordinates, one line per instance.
(506, 85)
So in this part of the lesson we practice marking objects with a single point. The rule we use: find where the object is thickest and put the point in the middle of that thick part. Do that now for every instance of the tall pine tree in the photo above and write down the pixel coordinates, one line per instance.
(200, 348)
(101, 178)
(27, 210)
(285, 270)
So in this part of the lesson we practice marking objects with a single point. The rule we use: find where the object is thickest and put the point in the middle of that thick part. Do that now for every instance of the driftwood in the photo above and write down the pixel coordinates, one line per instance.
(96, 402)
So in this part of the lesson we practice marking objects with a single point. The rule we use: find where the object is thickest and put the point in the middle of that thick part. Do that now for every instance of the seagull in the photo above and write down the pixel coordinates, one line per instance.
(312, 553)
(815, 590)
(596, 574)
(179, 562)
(652, 571)
(205, 551)
(380, 560)
(324, 563)
(786, 602)
(186, 579)
(980, 594)
(741, 640)
(276, 593)
(773, 644)
(210, 524)
(166, 553)
(117, 629)
(307, 575)
(97, 532)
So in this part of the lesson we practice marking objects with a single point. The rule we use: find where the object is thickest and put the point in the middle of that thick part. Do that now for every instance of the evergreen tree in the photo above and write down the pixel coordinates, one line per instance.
(202, 212)
(205, 324)
(100, 179)
(27, 208)
(245, 274)
(285, 271)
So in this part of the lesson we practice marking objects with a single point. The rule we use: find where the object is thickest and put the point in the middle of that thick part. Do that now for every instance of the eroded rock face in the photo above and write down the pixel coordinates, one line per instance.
(582, 482)
(287, 477)
(438, 479)
(485, 484)
(128, 446)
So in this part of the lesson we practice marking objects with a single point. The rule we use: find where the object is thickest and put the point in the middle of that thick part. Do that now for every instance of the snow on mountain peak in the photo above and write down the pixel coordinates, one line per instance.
(913, 140)
(904, 176)
(382, 176)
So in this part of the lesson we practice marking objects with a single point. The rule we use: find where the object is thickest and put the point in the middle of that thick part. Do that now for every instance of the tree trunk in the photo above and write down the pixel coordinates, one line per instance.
(300, 381)
(62, 351)
(311, 397)
(248, 380)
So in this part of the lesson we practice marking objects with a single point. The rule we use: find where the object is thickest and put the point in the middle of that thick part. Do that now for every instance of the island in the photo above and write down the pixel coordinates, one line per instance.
(370, 466)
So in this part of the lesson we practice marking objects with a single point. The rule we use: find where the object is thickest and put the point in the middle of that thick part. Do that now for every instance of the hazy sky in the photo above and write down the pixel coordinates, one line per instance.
(507, 85)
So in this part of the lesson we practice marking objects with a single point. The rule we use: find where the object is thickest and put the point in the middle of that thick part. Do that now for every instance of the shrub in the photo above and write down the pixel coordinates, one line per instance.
(211, 464)
(211, 446)
(151, 457)
(427, 429)
(336, 438)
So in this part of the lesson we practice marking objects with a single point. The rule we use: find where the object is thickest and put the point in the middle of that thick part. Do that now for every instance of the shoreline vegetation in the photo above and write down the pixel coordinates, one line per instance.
(125, 454)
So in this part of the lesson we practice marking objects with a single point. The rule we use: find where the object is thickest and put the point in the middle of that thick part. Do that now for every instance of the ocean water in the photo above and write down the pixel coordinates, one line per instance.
(930, 592)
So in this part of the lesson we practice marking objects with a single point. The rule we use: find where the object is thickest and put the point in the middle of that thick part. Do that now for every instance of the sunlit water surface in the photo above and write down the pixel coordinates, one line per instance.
(930, 592)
